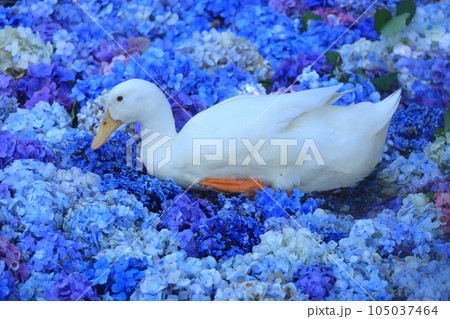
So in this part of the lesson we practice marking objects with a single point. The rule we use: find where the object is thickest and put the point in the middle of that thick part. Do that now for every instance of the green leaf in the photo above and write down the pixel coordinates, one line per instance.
(73, 112)
(377, 234)
(361, 72)
(406, 6)
(394, 25)
(430, 196)
(382, 16)
(308, 16)
(267, 84)
(333, 58)
(447, 121)
(446, 129)
(385, 82)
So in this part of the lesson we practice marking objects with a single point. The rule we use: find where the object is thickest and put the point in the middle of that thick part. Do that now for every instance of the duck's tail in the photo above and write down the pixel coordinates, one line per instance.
(385, 110)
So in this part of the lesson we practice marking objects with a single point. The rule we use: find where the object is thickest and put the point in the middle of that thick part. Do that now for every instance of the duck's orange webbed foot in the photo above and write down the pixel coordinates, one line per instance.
(233, 185)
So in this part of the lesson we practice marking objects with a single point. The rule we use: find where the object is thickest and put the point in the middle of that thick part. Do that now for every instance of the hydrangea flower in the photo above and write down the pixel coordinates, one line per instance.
(413, 127)
(90, 115)
(442, 200)
(95, 221)
(72, 287)
(7, 106)
(38, 10)
(121, 279)
(212, 50)
(413, 174)
(20, 47)
(290, 69)
(13, 148)
(8, 289)
(315, 281)
(439, 152)
(289, 7)
(423, 39)
(184, 107)
(334, 16)
(415, 278)
(47, 83)
(36, 286)
(8, 85)
(10, 256)
(410, 230)
(224, 236)
(175, 277)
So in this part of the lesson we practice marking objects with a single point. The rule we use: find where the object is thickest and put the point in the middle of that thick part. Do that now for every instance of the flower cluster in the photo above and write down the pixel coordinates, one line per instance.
(315, 281)
(411, 174)
(8, 86)
(289, 69)
(289, 7)
(20, 47)
(48, 124)
(10, 256)
(7, 106)
(212, 50)
(421, 40)
(334, 16)
(442, 200)
(72, 287)
(439, 152)
(90, 114)
(47, 83)
(413, 127)
(13, 148)
(417, 224)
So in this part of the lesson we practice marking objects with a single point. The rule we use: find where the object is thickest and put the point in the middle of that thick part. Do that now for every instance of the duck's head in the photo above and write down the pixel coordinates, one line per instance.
(128, 102)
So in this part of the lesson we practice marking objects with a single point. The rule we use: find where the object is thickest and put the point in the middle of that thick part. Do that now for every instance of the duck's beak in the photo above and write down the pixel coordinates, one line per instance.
(108, 126)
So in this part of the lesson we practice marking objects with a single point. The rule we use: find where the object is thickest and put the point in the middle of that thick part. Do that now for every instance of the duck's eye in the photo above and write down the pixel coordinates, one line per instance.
(120, 98)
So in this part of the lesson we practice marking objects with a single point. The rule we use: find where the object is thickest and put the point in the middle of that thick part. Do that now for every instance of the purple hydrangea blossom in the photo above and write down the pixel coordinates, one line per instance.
(289, 7)
(8, 86)
(12, 148)
(314, 280)
(184, 107)
(290, 69)
(10, 255)
(72, 287)
(48, 83)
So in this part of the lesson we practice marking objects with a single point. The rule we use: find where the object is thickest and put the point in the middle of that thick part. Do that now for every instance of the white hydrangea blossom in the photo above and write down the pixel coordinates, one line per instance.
(146, 18)
(90, 115)
(212, 49)
(363, 54)
(439, 152)
(20, 47)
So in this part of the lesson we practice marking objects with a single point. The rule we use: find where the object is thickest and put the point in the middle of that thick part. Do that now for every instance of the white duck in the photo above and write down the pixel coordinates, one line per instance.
(335, 146)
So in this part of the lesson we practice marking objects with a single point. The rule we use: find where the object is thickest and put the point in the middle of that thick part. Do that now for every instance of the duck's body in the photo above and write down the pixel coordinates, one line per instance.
(343, 143)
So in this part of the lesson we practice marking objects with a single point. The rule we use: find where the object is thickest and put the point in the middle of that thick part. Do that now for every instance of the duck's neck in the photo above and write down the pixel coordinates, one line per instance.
(161, 122)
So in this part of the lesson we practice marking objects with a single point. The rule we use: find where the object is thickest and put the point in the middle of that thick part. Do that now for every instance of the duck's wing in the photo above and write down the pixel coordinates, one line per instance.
(291, 106)
(273, 113)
